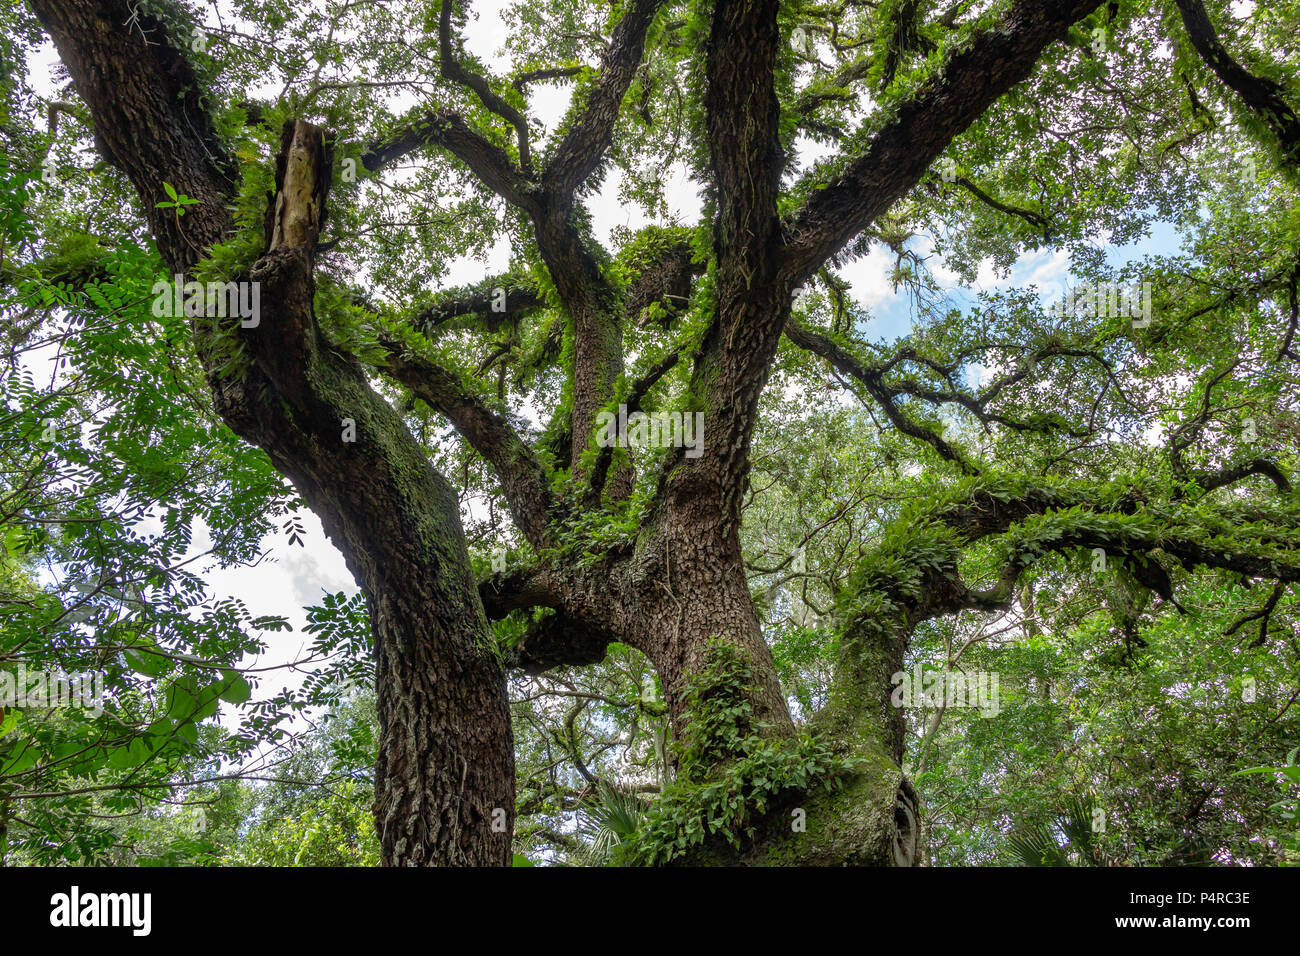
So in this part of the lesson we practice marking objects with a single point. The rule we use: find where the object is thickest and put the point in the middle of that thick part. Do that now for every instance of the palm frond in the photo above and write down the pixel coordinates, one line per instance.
(607, 821)
(1037, 846)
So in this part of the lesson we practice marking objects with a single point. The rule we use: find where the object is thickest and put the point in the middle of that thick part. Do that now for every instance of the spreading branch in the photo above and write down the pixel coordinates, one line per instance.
(454, 70)
(1039, 222)
(584, 145)
(994, 62)
(446, 130)
(523, 481)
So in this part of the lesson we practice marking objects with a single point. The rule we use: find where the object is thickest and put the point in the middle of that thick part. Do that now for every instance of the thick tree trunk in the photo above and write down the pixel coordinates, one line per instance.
(444, 781)
(873, 818)
(689, 590)
(445, 773)
(445, 778)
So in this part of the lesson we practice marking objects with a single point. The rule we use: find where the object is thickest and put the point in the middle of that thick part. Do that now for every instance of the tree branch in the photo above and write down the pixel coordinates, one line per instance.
(481, 303)
(636, 395)
(523, 481)
(449, 131)
(1034, 219)
(583, 146)
(1263, 98)
(666, 282)
(1263, 615)
(1231, 474)
(549, 73)
(870, 377)
(453, 70)
(970, 82)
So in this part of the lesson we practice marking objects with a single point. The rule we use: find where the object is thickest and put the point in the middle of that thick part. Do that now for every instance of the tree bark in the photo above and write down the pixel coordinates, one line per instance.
(691, 590)
(445, 776)
(445, 771)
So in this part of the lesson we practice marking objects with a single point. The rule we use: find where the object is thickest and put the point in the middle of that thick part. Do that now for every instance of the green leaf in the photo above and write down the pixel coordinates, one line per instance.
(235, 689)
(20, 760)
(134, 753)
(181, 702)
(143, 662)
(207, 704)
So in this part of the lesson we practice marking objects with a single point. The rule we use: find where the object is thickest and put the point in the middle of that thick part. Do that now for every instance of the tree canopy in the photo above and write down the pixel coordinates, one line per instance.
(675, 540)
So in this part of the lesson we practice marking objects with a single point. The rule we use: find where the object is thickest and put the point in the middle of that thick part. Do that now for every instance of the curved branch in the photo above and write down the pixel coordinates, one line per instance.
(870, 377)
(523, 481)
(517, 590)
(1231, 474)
(489, 162)
(1265, 99)
(584, 145)
(970, 82)
(453, 70)
(1037, 220)
(1263, 615)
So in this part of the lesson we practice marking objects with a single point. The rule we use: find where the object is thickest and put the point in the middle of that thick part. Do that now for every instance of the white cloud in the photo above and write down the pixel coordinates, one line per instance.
(868, 277)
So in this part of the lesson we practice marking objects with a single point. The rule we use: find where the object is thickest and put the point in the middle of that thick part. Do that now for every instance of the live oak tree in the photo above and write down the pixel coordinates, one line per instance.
(994, 129)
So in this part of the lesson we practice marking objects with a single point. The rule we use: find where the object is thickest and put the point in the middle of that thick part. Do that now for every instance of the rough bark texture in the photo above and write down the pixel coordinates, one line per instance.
(682, 586)
(445, 778)
(691, 590)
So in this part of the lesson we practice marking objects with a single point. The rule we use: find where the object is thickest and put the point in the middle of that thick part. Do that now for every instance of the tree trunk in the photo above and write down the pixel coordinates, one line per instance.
(445, 777)
(873, 817)
(444, 781)
(690, 592)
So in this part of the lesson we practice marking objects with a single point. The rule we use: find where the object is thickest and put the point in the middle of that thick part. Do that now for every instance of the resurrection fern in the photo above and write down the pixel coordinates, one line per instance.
(729, 776)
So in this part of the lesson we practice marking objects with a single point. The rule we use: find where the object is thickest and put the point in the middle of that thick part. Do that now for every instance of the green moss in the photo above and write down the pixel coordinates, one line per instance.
(730, 777)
